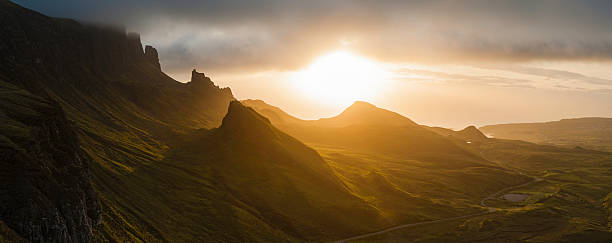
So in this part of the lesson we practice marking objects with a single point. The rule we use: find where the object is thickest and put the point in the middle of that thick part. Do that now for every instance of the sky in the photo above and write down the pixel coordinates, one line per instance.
(443, 63)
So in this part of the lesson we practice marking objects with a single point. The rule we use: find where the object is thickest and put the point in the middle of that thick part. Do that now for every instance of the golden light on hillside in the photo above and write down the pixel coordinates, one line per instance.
(341, 77)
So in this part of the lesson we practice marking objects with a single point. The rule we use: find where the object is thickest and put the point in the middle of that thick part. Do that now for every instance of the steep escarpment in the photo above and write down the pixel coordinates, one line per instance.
(93, 67)
(119, 110)
(45, 192)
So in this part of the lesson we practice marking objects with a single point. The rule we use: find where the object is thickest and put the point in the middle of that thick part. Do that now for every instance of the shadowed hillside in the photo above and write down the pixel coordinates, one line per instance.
(274, 178)
(45, 193)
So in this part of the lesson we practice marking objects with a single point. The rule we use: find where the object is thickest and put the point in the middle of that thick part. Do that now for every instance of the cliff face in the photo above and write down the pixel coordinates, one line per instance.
(63, 60)
(152, 57)
(60, 47)
(87, 100)
(45, 193)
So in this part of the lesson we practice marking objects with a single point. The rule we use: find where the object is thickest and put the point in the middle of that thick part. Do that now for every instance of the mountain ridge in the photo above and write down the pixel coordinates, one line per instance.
(367, 127)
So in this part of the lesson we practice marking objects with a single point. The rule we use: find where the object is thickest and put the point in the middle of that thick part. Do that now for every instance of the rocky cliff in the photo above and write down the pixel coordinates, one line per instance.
(83, 107)
(45, 192)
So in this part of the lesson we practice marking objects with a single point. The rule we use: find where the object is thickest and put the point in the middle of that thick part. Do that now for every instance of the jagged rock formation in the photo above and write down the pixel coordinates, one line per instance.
(199, 78)
(64, 59)
(45, 193)
(100, 106)
(152, 57)
(200, 81)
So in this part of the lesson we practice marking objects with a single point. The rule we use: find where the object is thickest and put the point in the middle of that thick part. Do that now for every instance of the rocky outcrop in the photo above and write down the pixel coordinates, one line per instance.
(152, 57)
(62, 48)
(198, 78)
(45, 192)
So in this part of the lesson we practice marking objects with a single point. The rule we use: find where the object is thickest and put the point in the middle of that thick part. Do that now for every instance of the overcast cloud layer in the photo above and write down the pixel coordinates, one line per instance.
(286, 34)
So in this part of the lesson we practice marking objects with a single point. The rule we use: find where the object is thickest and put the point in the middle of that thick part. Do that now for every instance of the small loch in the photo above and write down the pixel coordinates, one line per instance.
(515, 197)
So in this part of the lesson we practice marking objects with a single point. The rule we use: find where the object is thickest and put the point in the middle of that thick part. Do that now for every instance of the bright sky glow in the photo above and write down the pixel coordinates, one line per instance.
(341, 77)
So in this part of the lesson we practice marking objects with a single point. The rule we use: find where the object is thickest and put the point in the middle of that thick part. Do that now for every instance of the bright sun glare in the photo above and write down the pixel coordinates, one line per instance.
(341, 77)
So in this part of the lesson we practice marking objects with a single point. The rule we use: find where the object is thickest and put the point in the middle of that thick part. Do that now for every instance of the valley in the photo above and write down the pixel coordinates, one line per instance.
(573, 206)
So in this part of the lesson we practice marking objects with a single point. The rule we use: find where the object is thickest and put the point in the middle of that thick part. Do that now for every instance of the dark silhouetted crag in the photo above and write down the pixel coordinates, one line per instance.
(152, 57)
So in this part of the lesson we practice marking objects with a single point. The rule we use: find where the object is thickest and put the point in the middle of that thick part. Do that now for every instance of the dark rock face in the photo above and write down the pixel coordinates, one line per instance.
(45, 193)
(152, 57)
(198, 78)
(119, 108)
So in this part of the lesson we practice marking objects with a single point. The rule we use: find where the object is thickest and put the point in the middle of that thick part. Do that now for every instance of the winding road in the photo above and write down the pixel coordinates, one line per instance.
(482, 203)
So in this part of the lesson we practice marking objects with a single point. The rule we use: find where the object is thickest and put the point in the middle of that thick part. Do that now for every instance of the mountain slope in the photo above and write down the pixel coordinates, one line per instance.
(124, 112)
(45, 192)
(274, 114)
(594, 133)
(283, 182)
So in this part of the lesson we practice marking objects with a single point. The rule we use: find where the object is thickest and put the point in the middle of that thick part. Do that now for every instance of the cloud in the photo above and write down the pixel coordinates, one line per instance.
(555, 74)
(417, 75)
(248, 35)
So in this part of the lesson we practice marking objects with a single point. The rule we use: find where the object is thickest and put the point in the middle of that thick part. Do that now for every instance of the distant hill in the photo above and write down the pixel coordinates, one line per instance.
(365, 127)
(363, 113)
(468, 134)
(592, 132)
(359, 113)
(275, 114)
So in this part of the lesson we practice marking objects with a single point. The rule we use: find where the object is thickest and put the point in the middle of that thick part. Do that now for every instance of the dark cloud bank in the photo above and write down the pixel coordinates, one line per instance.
(285, 34)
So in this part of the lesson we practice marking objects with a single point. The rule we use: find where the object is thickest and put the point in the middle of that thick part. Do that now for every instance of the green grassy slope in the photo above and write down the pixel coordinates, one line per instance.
(282, 181)
(569, 204)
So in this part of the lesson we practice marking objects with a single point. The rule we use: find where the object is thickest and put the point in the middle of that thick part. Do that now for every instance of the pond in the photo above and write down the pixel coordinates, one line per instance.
(515, 197)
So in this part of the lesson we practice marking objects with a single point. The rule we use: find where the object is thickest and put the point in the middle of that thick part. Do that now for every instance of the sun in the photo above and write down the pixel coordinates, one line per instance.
(341, 77)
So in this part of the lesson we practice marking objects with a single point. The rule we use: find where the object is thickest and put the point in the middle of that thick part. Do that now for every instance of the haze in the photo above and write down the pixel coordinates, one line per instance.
(444, 63)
